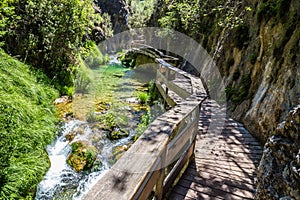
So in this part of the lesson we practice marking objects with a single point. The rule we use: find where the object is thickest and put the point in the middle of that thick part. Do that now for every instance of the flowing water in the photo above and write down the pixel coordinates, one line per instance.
(63, 182)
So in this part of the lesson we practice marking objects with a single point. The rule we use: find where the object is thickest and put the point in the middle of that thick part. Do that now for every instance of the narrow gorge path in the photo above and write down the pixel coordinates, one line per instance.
(225, 163)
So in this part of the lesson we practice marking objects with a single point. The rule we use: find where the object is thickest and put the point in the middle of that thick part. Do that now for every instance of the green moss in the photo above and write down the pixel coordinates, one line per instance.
(82, 156)
(117, 134)
(142, 126)
(27, 125)
(152, 92)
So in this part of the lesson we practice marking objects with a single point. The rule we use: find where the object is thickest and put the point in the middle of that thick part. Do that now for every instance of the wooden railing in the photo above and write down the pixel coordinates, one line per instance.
(154, 161)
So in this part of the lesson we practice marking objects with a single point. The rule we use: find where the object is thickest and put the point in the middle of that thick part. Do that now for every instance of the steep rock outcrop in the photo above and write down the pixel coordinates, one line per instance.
(259, 61)
(260, 64)
(279, 169)
(257, 54)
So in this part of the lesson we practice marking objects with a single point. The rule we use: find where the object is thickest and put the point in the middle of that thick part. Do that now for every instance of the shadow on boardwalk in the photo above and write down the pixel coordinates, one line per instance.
(225, 161)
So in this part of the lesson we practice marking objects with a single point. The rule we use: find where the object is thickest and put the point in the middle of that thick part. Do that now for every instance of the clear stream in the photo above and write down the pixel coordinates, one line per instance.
(61, 181)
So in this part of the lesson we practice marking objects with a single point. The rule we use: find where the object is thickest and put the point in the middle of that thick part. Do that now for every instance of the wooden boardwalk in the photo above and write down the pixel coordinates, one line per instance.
(225, 161)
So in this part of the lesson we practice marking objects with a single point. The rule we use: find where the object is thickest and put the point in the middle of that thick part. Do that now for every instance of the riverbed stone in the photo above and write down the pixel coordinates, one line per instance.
(117, 134)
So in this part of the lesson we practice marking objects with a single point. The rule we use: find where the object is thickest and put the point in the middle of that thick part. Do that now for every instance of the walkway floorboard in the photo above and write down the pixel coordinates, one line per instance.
(225, 161)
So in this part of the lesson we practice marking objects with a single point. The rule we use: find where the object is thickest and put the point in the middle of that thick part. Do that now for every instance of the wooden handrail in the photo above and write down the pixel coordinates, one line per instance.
(168, 141)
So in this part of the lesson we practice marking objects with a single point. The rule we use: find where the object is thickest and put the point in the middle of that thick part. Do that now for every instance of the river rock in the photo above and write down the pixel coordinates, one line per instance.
(117, 134)
(279, 169)
(82, 156)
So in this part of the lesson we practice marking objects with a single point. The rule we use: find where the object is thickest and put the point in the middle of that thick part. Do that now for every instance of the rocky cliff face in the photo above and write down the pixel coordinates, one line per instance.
(279, 169)
(259, 59)
(260, 64)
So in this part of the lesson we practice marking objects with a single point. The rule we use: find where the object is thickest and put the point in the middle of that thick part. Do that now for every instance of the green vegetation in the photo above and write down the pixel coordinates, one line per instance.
(253, 58)
(198, 18)
(271, 8)
(142, 126)
(241, 36)
(113, 123)
(152, 93)
(237, 95)
(49, 35)
(141, 12)
(27, 125)
(107, 77)
(82, 156)
(143, 97)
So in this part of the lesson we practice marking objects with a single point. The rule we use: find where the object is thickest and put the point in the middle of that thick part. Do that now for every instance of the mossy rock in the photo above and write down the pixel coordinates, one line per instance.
(117, 134)
(82, 156)
(119, 151)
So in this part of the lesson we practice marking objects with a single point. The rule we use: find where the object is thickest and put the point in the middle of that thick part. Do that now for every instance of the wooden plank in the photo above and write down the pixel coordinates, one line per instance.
(234, 149)
(207, 178)
(172, 176)
(183, 193)
(245, 163)
(197, 86)
(172, 86)
(128, 174)
(177, 146)
(217, 171)
(220, 191)
(234, 155)
(170, 101)
(176, 196)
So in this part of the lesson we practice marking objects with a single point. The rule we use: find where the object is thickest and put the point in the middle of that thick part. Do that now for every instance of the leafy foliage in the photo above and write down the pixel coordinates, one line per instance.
(141, 12)
(6, 14)
(48, 34)
(27, 125)
(201, 17)
(269, 9)
(142, 126)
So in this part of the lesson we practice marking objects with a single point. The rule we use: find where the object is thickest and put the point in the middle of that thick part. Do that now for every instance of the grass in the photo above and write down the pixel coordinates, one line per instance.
(143, 97)
(27, 125)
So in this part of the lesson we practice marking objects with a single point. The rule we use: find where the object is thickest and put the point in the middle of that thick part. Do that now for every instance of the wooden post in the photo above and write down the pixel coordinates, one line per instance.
(159, 188)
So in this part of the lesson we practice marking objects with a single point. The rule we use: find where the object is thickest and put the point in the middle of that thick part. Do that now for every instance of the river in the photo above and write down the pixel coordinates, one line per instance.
(116, 92)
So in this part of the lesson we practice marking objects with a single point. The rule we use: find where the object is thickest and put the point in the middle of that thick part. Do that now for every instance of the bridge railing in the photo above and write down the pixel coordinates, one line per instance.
(155, 160)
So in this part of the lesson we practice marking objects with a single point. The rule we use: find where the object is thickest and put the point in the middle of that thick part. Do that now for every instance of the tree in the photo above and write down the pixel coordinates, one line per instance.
(48, 34)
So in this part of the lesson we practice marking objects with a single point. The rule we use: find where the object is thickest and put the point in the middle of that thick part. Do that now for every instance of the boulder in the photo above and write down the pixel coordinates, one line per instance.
(82, 156)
